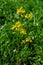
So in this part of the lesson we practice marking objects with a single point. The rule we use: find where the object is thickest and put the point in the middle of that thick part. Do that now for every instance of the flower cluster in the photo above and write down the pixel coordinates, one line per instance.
(28, 39)
(19, 26)
(20, 11)
(28, 15)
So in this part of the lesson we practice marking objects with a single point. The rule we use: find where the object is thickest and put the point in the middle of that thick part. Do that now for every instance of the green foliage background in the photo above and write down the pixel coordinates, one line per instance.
(28, 53)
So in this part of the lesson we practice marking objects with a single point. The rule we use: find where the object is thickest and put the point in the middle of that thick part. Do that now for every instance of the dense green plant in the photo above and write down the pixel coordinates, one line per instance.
(12, 50)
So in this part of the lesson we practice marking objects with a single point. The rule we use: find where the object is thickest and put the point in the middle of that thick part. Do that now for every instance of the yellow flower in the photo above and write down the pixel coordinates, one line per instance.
(17, 25)
(23, 31)
(20, 11)
(28, 40)
(28, 15)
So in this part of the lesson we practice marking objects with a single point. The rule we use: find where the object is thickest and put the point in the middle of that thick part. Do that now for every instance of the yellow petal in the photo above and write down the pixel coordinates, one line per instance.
(23, 31)
(20, 11)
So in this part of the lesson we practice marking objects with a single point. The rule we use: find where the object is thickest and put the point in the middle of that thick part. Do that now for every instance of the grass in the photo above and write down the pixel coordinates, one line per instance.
(21, 43)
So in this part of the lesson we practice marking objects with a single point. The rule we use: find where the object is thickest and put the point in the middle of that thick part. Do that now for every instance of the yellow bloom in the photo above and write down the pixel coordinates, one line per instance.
(23, 31)
(28, 40)
(20, 11)
(28, 15)
(17, 25)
